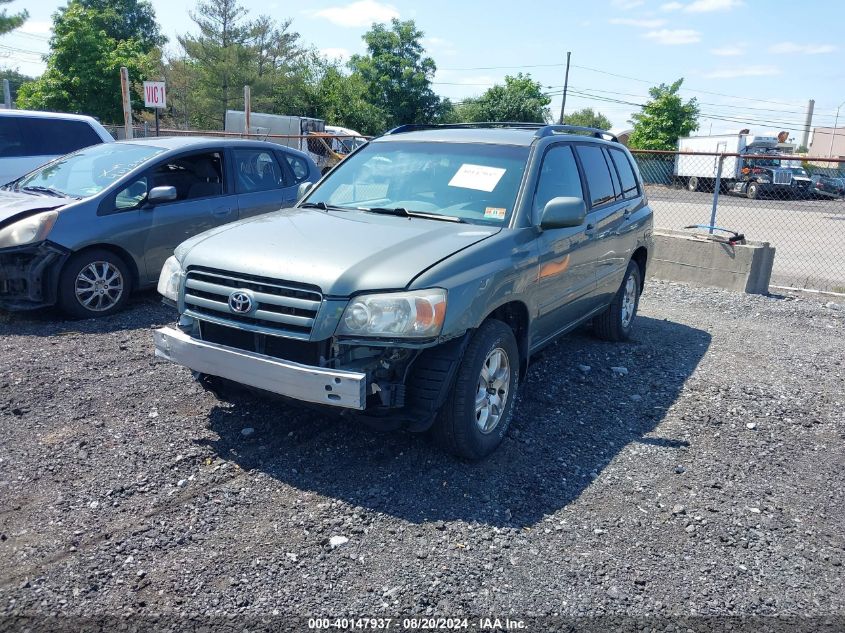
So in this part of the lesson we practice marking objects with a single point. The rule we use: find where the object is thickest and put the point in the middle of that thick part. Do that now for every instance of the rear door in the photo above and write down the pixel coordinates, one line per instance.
(204, 200)
(567, 257)
(607, 208)
(262, 183)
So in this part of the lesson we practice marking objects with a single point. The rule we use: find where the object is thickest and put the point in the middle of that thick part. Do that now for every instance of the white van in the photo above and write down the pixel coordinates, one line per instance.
(29, 139)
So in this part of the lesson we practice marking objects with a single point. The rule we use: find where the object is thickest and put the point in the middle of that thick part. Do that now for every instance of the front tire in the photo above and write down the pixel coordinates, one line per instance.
(94, 283)
(753, 191)
(478, 411)
(617, 321)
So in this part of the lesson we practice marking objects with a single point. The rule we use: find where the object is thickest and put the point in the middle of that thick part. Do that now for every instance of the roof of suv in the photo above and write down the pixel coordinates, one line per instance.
(40, 114)
(523, 134)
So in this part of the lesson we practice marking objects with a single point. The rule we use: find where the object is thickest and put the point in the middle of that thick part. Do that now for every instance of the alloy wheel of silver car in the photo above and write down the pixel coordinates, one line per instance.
(492, 393)
(99, 286)
(629, 301)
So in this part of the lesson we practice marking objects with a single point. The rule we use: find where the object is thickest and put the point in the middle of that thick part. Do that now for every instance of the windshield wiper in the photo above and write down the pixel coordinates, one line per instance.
(322, 206)
(48, 190)
(404, 213)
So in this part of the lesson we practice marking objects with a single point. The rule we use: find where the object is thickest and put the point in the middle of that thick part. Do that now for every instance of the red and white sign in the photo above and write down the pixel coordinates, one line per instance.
(154, 94)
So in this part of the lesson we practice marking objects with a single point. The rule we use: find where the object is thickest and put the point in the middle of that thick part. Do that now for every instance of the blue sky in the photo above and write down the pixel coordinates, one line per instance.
(751, 63)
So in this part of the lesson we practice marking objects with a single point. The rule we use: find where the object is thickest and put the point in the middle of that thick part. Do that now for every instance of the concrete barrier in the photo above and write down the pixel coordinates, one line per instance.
(700, 260)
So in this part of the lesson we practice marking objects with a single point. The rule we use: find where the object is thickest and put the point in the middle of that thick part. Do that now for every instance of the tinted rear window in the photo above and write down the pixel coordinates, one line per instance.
(25, 136)
(597, 173)
(626, 173)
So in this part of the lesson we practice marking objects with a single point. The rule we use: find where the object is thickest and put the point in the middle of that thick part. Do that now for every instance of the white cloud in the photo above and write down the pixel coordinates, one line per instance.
(439, 46)
(728, 51)
(706, 6)
(358, 14)
(702, 6)
(626, 5)
(341, 54)
(644, 24)
(674, 36)
(744, 71)
(36, 27)
(791, 48)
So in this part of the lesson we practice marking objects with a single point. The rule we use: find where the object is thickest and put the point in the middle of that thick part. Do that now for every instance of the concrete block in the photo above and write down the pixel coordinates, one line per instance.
(700, 260)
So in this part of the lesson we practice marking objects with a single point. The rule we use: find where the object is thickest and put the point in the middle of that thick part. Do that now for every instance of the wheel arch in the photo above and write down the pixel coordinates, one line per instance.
(640, 258)
(115, 250)
(515, 315)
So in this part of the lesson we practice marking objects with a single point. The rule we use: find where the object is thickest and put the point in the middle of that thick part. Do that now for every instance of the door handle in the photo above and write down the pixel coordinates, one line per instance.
(590, 229)
(222, 211)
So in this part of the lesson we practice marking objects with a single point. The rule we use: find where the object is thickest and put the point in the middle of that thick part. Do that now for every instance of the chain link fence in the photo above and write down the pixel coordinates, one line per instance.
(795, 203)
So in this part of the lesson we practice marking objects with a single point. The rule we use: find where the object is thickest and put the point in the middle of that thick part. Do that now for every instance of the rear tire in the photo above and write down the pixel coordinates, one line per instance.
(694, 184)
(478, 410)
(617, 321)
(94, 283)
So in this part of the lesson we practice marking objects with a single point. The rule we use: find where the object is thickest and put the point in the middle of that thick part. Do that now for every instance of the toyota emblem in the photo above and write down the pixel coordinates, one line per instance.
(240, 302)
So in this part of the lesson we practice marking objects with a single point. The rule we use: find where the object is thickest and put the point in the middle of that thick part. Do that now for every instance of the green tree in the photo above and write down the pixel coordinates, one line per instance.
(126, 20)
(16, 79)
(13, 21)
(397, 74)
(221, 58)
(343, 101)
(586, 117)
(664, 119)
(519, 99)
(83, 67)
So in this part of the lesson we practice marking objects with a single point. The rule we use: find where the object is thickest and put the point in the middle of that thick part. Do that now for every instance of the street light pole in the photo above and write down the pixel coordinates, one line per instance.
(833, 134)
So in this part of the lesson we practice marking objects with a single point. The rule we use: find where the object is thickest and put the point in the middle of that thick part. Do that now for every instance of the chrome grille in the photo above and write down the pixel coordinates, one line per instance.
(782, 178)
(282, 308)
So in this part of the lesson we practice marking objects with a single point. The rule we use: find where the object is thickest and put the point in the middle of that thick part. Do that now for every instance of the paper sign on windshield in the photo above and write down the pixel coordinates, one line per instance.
(477, 177)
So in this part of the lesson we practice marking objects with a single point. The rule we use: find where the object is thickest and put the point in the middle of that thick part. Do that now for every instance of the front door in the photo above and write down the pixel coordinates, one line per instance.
(566, 278)
(202, 202)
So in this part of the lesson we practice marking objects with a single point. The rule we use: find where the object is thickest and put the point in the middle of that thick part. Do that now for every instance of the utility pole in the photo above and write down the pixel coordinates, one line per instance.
(7, 94)
(127, 103)
(833, 131)
(565, 87)
(247, 109)
(805, 141)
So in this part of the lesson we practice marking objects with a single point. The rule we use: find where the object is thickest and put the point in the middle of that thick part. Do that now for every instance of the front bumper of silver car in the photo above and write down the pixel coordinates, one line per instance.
(338, 388)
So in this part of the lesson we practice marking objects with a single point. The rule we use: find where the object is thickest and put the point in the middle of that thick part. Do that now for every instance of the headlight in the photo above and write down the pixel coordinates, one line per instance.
(170, 278)
(763, 180)
(414, 314)
(32, 229)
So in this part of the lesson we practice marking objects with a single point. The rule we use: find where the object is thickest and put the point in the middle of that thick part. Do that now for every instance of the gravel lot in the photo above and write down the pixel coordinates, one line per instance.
(705, 479)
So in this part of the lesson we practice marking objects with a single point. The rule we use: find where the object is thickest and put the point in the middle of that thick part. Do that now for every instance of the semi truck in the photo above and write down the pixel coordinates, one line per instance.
(326, 145)
(760, 172)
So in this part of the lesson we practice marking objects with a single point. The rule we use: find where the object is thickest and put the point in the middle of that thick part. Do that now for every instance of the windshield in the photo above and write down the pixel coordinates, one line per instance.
(475, 182)
(799, 171)
(89, 171)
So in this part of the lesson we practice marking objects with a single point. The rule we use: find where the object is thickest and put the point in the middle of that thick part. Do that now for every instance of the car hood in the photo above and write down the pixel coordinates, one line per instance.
(13, 203)
(341, 252)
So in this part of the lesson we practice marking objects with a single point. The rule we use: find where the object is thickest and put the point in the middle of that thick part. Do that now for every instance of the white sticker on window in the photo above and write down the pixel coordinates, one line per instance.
(477, 177)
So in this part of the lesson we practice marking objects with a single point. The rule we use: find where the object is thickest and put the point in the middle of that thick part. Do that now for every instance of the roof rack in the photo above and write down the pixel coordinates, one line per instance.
(543, 129)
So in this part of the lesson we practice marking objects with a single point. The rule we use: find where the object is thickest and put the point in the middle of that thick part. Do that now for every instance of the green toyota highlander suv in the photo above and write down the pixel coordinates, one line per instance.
(413, 283)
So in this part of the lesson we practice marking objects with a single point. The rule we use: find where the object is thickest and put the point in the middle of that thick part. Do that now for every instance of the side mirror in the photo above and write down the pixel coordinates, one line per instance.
(561, 213)
(304, 188)
(161, 194)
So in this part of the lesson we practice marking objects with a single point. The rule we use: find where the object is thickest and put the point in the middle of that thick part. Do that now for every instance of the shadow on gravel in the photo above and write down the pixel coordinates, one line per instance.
(144, 309)
(569, 425)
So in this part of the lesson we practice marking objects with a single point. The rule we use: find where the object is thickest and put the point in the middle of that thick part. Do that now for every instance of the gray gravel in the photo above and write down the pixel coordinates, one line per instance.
(706, 478)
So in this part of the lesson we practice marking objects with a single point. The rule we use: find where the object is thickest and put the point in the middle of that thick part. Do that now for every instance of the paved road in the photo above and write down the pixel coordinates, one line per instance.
(809, 235)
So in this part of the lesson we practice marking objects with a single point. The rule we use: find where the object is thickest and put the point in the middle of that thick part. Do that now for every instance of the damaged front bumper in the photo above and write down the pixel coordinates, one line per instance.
(318, 385)
(29, 275)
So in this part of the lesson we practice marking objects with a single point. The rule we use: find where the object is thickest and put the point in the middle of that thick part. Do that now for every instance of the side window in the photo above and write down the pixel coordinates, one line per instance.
(195, 176)
(558, 177)
(132, 196)
(11, 138)
(626, 173)
(55, 137)
(614, 177)
(256, 170)
(597, 174)
(298, 166)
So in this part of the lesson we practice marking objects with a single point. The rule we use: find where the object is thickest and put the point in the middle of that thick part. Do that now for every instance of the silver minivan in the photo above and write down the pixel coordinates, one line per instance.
(28, 139)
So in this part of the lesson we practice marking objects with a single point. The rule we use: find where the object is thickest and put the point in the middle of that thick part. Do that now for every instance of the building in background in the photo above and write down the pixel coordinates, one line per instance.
(821, 144)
